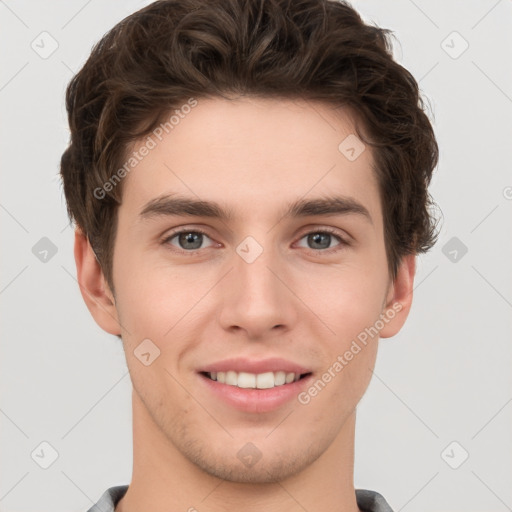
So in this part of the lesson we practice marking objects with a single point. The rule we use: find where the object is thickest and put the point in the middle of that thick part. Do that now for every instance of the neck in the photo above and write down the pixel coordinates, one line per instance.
(165, 480)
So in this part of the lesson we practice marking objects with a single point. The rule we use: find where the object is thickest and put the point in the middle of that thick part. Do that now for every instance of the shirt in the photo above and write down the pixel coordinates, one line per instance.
(367, 501)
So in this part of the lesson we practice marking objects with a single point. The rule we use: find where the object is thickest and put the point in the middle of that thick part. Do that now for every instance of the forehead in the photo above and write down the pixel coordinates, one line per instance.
(250, 151)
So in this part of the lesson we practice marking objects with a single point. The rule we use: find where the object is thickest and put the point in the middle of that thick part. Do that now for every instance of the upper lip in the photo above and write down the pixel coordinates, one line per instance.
(238, 364)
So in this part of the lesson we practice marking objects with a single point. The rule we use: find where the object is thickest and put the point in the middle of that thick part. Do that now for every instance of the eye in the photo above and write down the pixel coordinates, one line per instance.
(321, 240)
(187, 240)
(191, 240)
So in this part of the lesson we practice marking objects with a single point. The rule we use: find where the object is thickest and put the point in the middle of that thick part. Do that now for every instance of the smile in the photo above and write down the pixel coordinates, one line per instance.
(247, 380)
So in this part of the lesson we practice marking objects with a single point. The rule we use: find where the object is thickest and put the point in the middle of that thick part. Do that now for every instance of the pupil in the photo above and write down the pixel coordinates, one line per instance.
(317, 237)
(191, 238)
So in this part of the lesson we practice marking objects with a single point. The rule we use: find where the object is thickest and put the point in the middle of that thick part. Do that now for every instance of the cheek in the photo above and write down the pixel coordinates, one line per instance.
(163, 305)
(350, 300)
(151, 296)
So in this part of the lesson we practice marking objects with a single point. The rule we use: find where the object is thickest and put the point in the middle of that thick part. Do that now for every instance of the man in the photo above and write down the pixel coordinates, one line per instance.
(249, 185)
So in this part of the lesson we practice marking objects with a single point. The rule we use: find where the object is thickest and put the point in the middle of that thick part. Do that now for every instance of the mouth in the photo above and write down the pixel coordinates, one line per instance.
(254, 385)
(246, 380)
(254, 393)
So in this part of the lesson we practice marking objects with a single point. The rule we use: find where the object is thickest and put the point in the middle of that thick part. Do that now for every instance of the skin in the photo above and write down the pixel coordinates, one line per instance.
(198, 306)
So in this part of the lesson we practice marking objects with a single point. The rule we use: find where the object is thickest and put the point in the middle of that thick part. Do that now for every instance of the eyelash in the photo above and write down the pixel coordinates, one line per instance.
(342, 241)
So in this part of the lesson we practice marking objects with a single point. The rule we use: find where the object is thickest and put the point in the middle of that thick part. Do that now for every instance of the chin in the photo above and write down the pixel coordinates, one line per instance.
(248, 465)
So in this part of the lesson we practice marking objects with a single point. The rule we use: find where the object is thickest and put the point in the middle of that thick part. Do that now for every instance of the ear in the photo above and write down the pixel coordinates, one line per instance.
(95, 291)
(399, 297)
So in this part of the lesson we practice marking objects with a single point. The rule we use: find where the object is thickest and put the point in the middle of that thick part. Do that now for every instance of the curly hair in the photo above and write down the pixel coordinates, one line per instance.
(173, 50)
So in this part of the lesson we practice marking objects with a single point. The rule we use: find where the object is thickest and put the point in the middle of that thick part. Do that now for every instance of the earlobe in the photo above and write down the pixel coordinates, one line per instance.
(399, 298)
(93, 286)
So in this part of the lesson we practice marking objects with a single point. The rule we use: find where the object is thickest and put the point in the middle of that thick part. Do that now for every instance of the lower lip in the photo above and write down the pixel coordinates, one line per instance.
(256, 400)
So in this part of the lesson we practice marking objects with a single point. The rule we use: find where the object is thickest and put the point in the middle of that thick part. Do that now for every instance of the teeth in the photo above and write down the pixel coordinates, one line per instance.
(245, 380)
(231, 378)
(265, 380)
(279, 378)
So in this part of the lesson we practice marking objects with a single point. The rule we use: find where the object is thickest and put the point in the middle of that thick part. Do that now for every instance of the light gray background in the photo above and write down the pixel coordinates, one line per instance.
(446, 377)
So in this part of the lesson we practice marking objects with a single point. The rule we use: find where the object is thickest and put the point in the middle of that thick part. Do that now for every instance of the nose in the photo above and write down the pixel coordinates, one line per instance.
(257, 298)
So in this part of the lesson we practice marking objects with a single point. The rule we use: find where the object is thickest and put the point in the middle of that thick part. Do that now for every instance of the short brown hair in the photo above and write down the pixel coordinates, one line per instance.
(173, 50)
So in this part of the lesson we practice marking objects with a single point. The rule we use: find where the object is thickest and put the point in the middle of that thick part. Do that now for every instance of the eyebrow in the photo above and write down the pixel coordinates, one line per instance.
(169, 205)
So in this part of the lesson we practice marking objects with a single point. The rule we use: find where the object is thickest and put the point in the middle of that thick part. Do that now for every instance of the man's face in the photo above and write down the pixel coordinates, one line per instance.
(256, 286)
